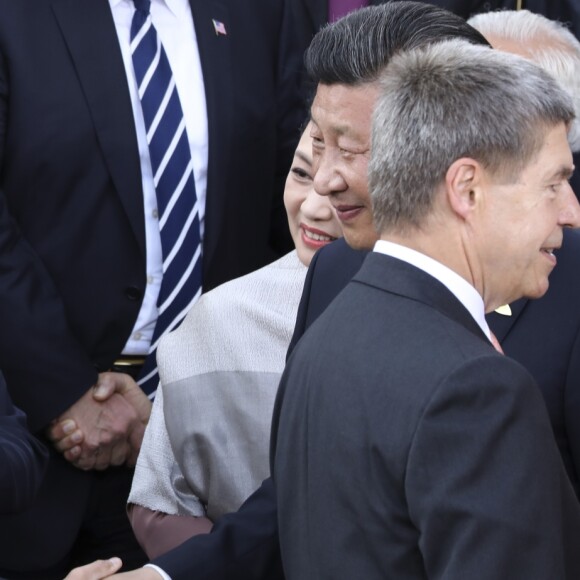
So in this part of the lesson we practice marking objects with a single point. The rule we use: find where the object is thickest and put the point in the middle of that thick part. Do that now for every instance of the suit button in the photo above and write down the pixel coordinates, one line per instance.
(133, 293)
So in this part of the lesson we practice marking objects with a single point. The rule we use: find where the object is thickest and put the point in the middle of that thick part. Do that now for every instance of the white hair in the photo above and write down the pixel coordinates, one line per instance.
(547, 42)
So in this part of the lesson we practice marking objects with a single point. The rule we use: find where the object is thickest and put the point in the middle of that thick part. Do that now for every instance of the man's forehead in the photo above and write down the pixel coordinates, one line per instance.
(344, 109)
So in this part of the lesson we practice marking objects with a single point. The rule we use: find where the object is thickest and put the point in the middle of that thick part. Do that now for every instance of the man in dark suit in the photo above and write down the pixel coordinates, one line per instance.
(22, 457)
(400, 438)
(244, 544)
(78, 224)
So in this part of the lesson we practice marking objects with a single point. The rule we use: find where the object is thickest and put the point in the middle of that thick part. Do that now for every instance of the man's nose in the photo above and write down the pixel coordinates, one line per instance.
(570, 215)
(328, 178)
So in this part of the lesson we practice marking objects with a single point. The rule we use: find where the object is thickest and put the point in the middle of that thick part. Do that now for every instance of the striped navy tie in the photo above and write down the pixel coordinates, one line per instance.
(174, 183)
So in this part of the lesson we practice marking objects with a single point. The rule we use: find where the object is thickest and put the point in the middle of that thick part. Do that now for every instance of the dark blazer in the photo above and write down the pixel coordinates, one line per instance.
(72, 235)
(246, 541)
(401, 441)
(22, 457)
(543, 335)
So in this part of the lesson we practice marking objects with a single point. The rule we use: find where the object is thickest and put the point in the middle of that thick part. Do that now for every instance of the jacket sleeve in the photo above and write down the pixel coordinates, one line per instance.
(22, 458)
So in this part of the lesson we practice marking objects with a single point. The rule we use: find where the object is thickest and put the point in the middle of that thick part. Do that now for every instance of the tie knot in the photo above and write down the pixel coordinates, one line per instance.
(142, 5)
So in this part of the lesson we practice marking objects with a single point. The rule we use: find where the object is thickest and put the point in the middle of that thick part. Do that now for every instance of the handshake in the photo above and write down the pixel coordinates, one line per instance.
(105, 426)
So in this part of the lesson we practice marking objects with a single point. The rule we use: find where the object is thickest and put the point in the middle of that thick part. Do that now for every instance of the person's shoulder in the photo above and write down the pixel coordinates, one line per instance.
(339, 254)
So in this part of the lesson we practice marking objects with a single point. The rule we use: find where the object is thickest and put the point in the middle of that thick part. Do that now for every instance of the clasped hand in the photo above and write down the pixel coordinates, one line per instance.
(105, 426)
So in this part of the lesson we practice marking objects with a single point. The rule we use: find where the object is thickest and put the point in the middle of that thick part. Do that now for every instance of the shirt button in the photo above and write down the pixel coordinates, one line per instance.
(150, 280)
(137, 336)
(155, 213)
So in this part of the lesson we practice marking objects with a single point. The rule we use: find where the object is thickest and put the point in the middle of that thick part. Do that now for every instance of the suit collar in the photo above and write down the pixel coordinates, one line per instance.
(177, 7)
(89, 33)
(398, 277)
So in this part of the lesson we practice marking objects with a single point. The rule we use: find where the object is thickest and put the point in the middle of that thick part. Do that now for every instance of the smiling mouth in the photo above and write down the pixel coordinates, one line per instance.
(348, 212)
(549, 253)
(313, 237)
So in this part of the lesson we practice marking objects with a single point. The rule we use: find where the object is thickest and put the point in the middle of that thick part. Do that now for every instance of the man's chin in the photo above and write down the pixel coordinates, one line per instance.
(360, 240)
(539, 290)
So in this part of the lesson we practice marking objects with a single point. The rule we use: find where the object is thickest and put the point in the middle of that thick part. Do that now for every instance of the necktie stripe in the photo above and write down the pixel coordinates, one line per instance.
(184, 278)
(179, 241)
(161, 111)
(169, 152)
(150, 102)
(188, 173)
(142, 30)
(174, 183)
(181, 261)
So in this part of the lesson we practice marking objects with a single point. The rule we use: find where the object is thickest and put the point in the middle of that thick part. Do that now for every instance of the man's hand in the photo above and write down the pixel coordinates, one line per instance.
(105, 427)
(124, 385)
(95, 571)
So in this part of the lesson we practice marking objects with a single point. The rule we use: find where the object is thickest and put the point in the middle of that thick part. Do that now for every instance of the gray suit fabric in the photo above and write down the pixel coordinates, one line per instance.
(405, 447)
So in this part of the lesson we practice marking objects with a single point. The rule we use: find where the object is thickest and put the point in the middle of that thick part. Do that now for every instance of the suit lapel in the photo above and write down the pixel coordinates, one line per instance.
(216, 64)
(89, 32)
(398, 277)
(501, 324)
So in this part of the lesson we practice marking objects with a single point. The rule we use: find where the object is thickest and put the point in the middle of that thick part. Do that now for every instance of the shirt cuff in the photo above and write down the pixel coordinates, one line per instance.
(163, 574)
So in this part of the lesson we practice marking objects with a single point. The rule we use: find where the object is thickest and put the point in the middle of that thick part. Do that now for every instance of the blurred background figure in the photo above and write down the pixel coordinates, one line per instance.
(206, 446)
(547, 43)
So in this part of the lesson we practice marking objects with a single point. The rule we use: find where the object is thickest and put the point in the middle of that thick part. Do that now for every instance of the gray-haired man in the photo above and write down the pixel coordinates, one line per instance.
(404, 445)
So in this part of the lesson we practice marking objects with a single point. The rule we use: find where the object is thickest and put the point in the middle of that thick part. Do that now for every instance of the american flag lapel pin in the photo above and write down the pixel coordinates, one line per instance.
(219, 27)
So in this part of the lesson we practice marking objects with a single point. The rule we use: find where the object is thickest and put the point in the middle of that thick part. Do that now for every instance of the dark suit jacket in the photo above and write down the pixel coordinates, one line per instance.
(402, 442)
(72, 236)
(543, 335)
(22, 457)
(246, 541)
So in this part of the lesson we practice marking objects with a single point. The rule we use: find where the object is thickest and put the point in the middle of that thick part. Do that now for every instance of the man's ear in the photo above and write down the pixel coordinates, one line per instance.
(462, 186)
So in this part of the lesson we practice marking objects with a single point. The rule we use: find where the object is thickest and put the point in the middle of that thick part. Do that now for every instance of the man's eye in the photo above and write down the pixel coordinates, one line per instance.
(301, 174)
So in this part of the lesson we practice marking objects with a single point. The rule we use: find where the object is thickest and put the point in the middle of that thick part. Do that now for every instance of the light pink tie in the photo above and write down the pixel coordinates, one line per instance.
(495, 342)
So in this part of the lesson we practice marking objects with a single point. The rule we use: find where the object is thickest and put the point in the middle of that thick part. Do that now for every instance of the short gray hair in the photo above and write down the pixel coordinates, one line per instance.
(550, 45)
(451, 100)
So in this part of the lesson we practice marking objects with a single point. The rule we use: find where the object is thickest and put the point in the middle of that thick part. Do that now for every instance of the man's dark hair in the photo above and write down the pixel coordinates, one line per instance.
(356, 48)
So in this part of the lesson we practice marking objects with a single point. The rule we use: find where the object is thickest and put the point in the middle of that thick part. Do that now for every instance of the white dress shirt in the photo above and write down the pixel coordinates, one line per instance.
(174, 24)
(458, 286)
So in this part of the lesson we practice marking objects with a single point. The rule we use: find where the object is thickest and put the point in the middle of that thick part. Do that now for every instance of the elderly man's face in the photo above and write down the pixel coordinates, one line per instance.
(341, 133)
(521, 224)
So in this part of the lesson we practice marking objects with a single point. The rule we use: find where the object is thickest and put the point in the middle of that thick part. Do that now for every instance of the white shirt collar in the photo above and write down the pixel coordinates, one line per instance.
(458, 286)
(176, 6)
